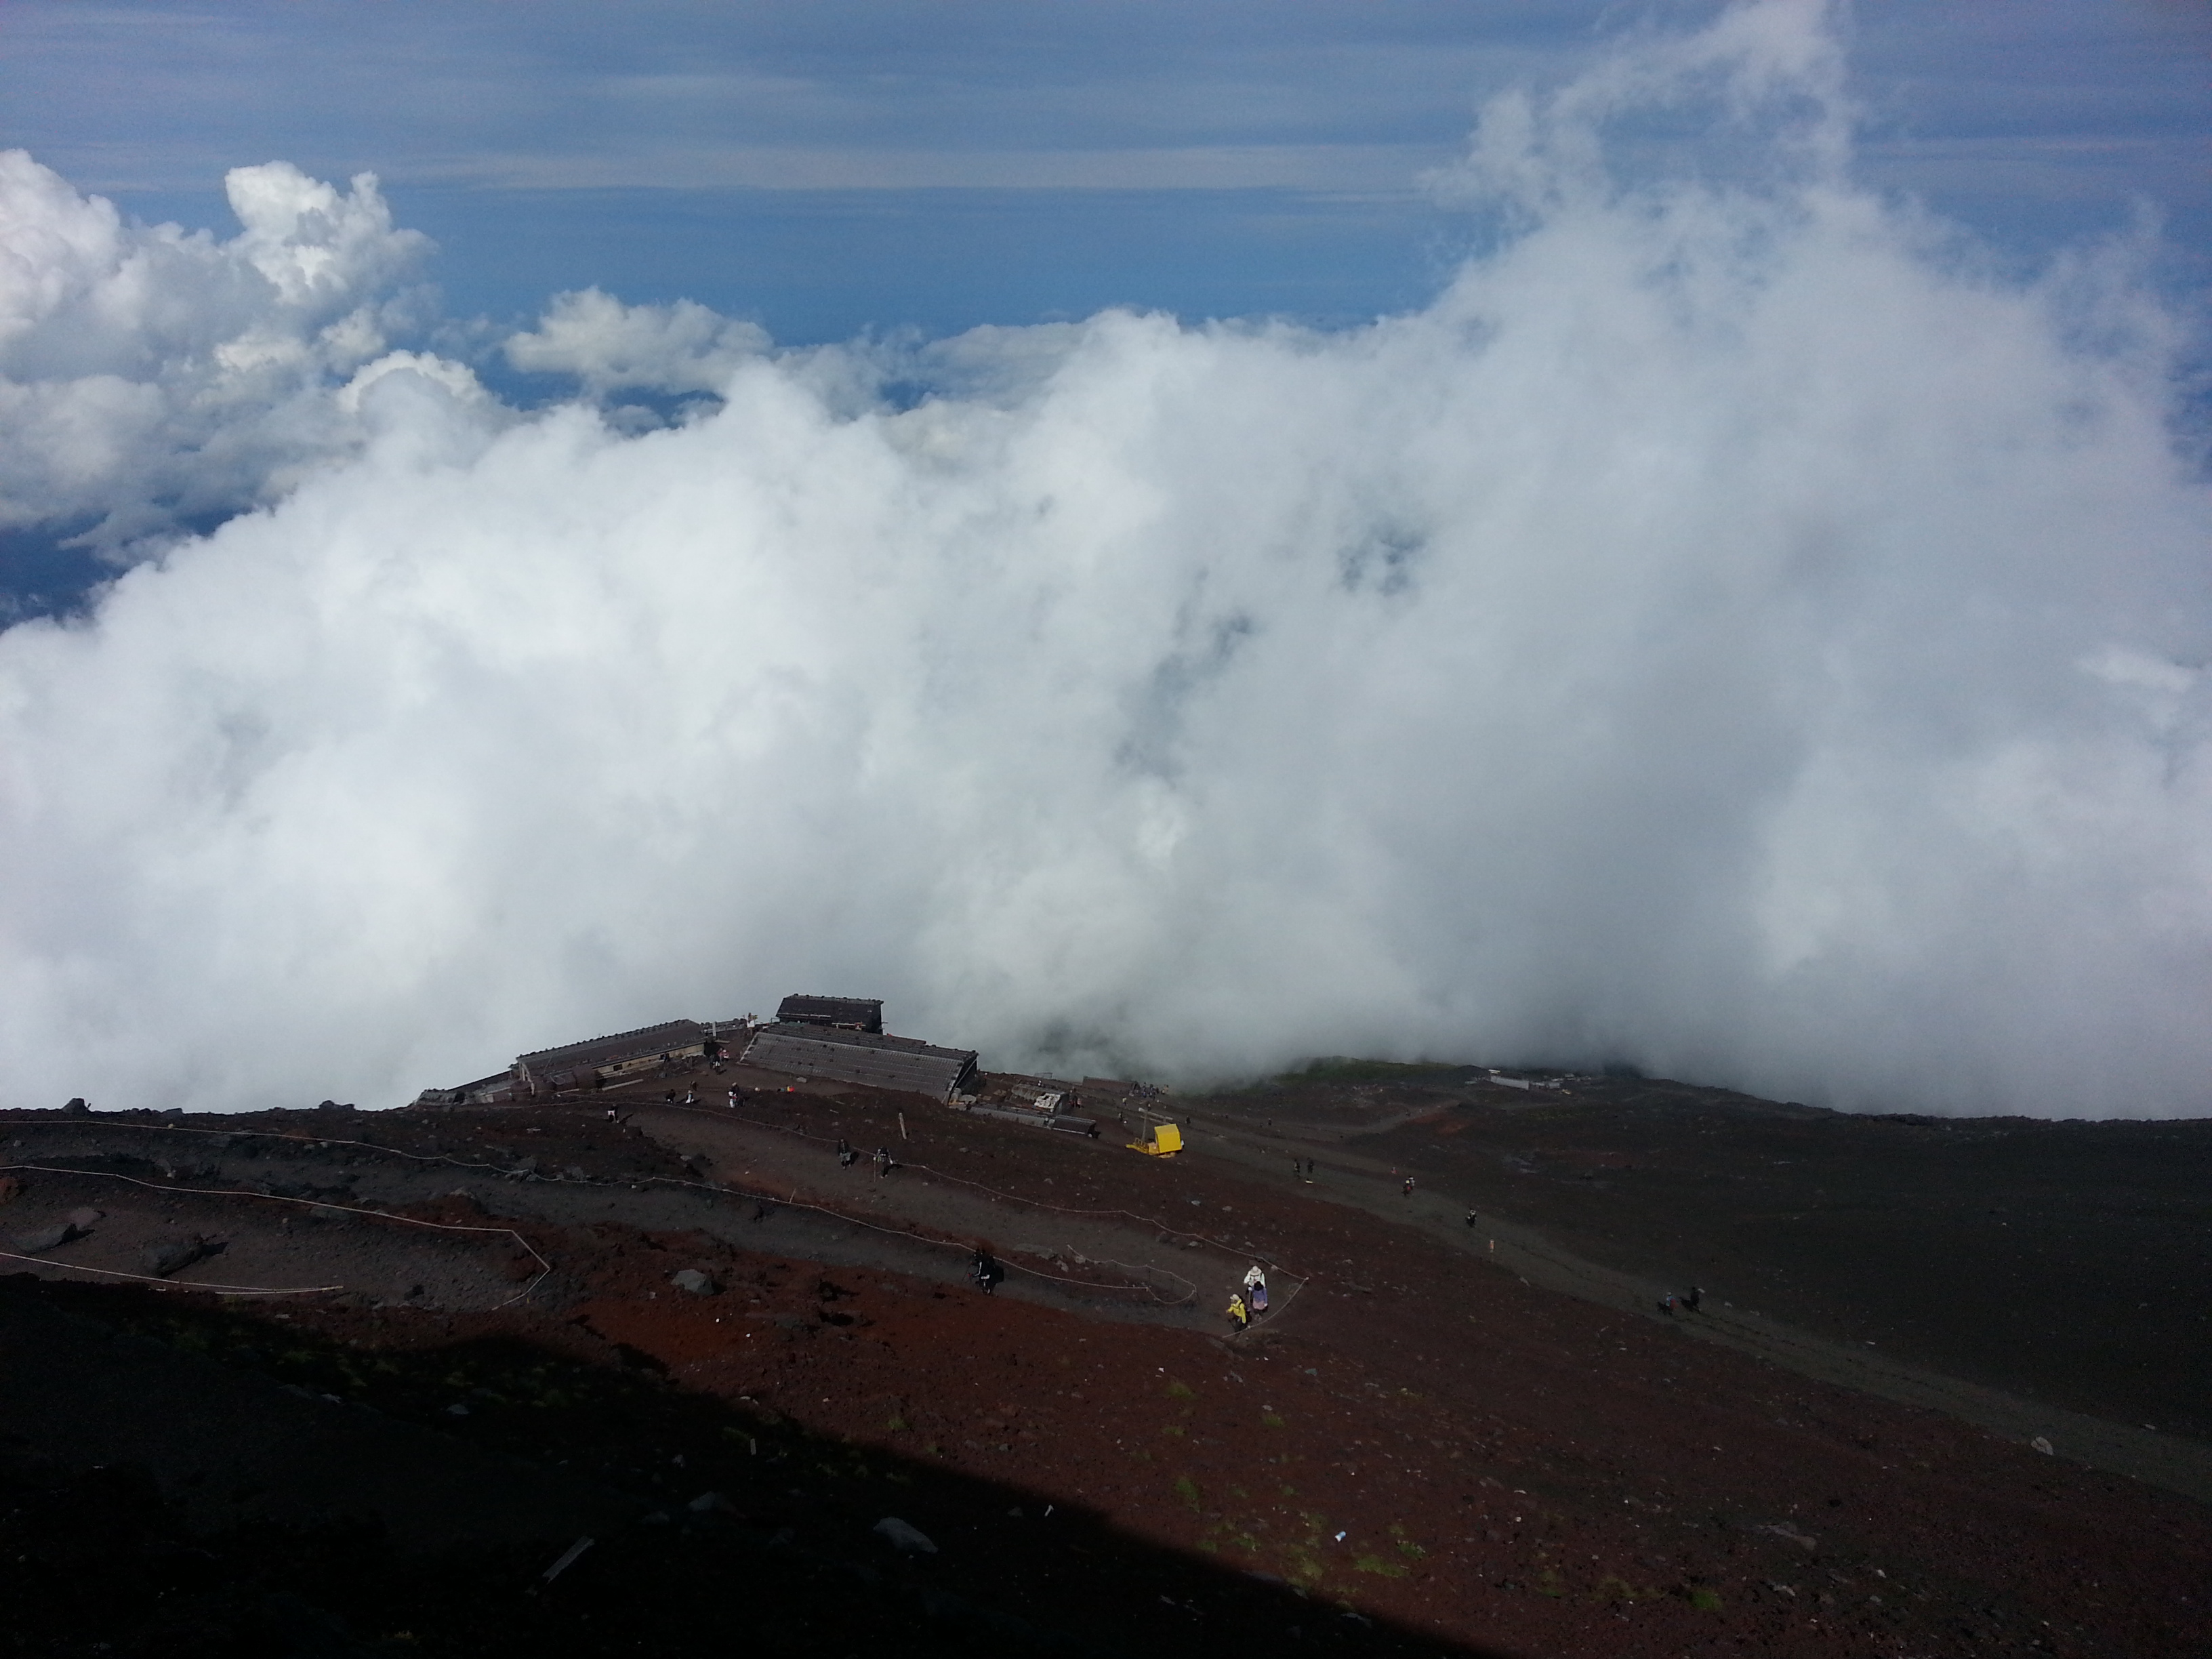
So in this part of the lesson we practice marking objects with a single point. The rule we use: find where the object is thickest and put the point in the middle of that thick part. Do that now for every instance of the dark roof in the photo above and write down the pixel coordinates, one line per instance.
(864, 1013)
(881, 1062)
(612, 1050)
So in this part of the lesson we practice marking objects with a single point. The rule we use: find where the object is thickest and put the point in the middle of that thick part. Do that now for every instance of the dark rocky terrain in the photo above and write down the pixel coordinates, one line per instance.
(341, 1382)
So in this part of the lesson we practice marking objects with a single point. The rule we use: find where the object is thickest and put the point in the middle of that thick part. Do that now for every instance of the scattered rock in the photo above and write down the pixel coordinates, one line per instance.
(900, 1536)
(708, 1502)
(568, 1559)
(167, 1256)
(1787, 1531)
(692, 1279)
(77, 1108)
(41, 1239)
(2043, 1446)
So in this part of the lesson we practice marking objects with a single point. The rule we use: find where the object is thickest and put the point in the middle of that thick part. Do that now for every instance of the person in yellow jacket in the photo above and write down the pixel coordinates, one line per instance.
(1238, 1314)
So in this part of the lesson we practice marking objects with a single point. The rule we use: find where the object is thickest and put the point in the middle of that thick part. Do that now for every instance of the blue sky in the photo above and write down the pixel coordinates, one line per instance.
(834, 167)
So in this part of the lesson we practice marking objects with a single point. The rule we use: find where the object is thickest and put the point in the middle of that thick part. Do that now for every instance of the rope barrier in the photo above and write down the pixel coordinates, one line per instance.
(193, 1284)
(544, 1266)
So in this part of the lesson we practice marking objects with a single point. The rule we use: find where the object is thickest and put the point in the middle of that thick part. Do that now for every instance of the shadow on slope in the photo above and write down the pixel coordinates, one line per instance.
(183, 1480)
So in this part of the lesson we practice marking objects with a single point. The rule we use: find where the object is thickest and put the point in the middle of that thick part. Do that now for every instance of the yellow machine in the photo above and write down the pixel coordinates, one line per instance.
(1161, 1141)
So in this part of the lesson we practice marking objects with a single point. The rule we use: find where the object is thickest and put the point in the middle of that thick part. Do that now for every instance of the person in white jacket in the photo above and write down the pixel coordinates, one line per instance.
(1256, 1288)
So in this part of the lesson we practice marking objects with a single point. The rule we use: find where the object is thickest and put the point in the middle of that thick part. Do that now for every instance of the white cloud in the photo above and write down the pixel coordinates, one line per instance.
(1725, 631)
(608, 346)
(150, 377)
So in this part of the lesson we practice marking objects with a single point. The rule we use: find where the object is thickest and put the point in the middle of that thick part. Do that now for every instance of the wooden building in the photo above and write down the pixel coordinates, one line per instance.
(615, 1059)
(842, 1056)
(838, 1013)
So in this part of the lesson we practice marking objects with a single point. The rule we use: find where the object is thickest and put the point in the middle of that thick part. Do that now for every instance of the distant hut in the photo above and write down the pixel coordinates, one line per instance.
(834, 1013)
(615, 1059)
(840, 1055)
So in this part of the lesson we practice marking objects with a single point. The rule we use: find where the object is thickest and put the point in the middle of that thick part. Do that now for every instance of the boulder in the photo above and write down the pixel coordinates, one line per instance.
(905, 1539)
(39, 1240)
(170, 1256)
(692, 1279)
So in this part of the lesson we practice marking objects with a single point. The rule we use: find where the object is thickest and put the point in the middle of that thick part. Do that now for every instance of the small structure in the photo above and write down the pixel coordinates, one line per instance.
(499, 1085)
(844, 1056)
(615, 1059)
(1040, 1102)
(837, 1013)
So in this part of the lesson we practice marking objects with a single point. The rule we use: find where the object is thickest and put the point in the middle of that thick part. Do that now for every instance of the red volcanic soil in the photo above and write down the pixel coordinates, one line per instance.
(1427, 1445)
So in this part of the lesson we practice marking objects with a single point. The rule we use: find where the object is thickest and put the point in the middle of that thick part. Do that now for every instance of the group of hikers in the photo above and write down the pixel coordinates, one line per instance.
(1249, 1303)
(847, 1157)
(691, 1095)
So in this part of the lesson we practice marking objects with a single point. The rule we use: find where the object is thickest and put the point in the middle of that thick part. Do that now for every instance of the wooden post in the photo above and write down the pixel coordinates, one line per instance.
(903, 1134)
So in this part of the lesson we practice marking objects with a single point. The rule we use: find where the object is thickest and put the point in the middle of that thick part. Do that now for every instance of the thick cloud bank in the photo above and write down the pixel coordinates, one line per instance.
(1727, 631)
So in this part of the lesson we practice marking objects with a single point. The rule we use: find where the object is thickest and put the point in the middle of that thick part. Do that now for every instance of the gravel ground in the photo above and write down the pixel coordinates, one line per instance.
(1426, 1445)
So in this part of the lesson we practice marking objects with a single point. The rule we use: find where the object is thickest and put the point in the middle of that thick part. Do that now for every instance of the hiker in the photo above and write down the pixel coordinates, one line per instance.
(691, 1095)
(1409, 1186)
(1470, 1215)
(670, 1097)
(1667, 1304)
(883, 1161)
(845, 1154)
(1295, 1169)
(1309, 1168)
(1253, 1277)
(1238, 1315)
(1259, 1298)
(1691, 1297)
(733, 1097)
(986, 1272)
(610, 1113)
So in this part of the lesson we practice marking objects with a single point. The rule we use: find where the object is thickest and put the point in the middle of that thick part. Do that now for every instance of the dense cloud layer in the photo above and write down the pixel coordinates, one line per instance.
(1726, 631)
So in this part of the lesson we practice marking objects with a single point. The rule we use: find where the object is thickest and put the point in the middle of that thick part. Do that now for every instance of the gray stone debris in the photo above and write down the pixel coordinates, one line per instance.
(692, 1279)
(900, 1536)
(43, 1239)
(171, 1255)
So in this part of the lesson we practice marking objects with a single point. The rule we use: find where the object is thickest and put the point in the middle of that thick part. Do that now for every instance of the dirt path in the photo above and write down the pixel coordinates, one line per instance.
(1112, 1263)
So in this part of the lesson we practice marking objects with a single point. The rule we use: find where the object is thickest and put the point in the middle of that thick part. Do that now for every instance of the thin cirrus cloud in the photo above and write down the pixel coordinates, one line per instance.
(860, 94)
(1733, 628)
(2066, 102)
